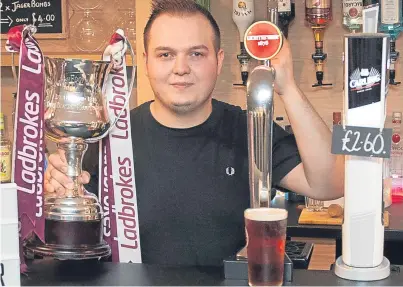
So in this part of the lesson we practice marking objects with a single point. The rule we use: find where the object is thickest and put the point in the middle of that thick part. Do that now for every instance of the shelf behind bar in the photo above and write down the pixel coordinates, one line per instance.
(6, 57)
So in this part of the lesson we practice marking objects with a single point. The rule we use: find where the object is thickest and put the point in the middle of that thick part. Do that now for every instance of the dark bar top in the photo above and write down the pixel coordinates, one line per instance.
(94, 273)
(394, 232)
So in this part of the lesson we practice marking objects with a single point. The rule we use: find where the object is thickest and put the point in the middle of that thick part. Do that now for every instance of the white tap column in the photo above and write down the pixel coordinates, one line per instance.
(365, 90)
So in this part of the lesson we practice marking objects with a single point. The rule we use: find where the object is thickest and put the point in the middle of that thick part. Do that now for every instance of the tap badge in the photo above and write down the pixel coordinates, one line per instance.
(263, 40)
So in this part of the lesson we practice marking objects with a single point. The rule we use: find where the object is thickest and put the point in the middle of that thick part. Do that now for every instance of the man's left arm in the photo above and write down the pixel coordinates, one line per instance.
(321, 173)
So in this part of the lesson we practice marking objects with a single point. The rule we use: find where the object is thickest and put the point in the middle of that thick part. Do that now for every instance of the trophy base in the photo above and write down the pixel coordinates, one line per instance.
(65, 252)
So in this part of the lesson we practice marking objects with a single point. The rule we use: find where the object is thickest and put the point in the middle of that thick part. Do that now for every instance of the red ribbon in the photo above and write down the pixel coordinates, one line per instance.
(14, 36)
(116, 37)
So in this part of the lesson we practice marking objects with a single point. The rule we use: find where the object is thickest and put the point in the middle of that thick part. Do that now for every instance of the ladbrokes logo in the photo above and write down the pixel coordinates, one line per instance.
(364, 78)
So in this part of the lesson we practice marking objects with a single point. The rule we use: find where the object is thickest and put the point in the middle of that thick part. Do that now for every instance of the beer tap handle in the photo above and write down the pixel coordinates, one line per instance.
(260, 109)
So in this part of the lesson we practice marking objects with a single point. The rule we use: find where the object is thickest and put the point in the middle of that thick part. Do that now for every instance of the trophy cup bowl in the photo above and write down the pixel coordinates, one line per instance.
(76, 114)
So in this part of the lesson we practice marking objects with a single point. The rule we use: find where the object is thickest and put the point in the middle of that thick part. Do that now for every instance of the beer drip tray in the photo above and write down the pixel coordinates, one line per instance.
(297, 256)
(299, 253)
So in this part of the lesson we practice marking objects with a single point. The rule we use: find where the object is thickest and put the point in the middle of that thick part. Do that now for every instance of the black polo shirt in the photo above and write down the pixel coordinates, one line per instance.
(193, 187)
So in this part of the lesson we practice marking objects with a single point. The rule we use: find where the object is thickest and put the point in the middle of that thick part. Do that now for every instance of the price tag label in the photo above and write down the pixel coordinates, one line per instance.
(361, 141)
(49, 17)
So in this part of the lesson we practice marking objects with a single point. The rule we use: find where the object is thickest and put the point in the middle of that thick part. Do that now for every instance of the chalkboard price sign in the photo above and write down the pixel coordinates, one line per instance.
(361, 141)
(49, 16)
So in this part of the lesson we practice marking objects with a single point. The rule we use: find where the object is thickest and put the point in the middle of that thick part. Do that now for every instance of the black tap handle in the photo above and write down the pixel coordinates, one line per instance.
(244, 76)
(320, 84)
(319, 77)
(392, 74)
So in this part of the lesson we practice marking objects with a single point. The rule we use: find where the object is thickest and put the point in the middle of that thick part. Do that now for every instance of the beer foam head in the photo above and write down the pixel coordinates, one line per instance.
(265, 214)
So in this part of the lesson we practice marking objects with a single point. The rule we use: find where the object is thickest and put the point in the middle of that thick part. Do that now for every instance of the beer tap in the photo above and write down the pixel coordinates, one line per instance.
(243, 15)
(263, 40)
(260, 108)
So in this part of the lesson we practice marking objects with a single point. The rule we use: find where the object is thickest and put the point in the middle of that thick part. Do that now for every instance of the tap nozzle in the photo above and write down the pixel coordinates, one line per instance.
(243, 59)
(318, 58)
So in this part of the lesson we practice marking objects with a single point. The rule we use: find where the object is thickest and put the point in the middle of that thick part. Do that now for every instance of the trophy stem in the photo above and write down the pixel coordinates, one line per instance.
(74, 152)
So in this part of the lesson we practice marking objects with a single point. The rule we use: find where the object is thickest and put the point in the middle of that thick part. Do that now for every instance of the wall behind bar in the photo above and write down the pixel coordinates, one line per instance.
(325, 100)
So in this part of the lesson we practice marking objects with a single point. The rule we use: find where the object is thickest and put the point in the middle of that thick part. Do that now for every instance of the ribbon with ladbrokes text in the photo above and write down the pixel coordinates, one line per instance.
(116, 167)
(28, 150)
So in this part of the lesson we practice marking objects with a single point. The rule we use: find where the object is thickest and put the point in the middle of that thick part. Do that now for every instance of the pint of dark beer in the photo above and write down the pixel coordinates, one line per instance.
(265, 235)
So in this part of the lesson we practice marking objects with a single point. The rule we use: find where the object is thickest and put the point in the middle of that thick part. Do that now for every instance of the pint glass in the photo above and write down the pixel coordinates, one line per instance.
(265, 235)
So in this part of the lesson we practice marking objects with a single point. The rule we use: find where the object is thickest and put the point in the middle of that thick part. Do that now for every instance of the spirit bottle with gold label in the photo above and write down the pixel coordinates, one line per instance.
(352, 14)
(318, 14)
(5, 152)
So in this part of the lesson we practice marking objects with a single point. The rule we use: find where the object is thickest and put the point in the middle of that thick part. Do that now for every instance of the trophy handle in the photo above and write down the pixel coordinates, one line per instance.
(132, 79)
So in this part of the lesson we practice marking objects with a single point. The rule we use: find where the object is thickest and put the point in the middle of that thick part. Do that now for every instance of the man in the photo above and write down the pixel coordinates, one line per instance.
(191, 151)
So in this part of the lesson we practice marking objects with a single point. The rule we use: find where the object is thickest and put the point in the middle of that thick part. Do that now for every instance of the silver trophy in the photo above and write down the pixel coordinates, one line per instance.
(76, 113)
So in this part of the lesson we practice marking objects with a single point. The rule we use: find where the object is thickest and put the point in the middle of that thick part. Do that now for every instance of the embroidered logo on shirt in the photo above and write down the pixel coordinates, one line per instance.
(230, 171)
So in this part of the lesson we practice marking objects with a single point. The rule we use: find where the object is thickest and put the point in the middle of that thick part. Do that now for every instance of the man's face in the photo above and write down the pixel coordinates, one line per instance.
(181, 61)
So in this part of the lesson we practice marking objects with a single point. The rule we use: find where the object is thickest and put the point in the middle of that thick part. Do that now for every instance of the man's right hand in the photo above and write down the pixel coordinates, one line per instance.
(56, 180)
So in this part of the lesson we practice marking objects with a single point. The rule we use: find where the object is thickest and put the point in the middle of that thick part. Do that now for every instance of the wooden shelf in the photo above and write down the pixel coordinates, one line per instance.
(6, 57)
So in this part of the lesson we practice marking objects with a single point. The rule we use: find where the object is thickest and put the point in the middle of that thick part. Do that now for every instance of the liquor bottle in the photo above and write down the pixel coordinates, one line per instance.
(5, 152)
(396, 158)
(286, 14)
(370, 16)
(352, 14)
(336, 118)
(391, 22)
(370, 3)
(243, 14)
(318, 14)
(272, 12)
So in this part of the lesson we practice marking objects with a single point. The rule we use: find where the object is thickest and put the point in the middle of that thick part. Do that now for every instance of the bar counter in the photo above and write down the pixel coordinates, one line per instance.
(394, 232)
(94, 273)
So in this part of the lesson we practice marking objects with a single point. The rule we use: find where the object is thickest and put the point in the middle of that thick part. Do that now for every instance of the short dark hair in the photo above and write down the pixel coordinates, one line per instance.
(180, 7)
